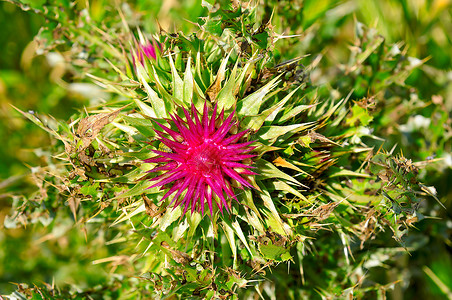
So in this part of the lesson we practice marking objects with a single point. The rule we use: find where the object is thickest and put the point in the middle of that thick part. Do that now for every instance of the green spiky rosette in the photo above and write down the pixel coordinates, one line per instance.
(213, 165)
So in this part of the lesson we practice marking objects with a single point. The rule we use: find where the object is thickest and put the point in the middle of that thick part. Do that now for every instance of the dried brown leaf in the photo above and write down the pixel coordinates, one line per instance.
(281, 162)
(74, 203)
(318, 137)
(215, 87)
(89, 127)
(322, 212)
(151, 209)
(178, 256)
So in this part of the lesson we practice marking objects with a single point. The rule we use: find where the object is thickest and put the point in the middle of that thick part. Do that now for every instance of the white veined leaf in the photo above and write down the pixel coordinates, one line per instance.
(177, 83)
(188, 83)
(272, 132)
(157, 104)
(225, 97)
(145, 109)
(251, 104)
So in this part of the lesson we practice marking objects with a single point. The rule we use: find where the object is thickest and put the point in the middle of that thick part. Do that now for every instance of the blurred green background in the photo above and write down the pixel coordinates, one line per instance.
(43, 83)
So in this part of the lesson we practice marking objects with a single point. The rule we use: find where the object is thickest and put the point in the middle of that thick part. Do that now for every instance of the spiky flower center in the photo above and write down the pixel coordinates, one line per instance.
(204, 159)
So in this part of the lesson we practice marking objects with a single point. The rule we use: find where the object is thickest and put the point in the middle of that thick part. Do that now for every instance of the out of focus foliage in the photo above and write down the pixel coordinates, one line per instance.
(350, 102)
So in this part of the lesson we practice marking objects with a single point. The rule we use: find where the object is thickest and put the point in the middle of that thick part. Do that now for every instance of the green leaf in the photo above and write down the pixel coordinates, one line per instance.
(144, 126)
(294, 112)
(272, 132)
(214, 87)
(141, 187)
(168, 99)
(253, 219)
(170, 216)
(157, 104)
(32, 117)
(349, 173)
(275, 109)
(90, 189)
(194, 220)
(261, 39)
(446, 290)
(145, 109)
(370, 49)
(251, 104)
(273, 252)
(188, 83)
(128, 215)
(431, 190)
(359, 114)
(177, 83)
(213, 25)
(229, 231)
(226, 98)
(126, 128)
(239, 232)
(273, 219)
(282, 186)
(268, 170)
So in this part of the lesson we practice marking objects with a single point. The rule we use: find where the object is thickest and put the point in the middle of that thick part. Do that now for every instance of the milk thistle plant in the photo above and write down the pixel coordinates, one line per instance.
(222, 120)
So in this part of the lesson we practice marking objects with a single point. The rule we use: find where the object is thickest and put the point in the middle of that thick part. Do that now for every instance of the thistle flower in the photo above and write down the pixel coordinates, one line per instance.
(147, 50)
(204, 160)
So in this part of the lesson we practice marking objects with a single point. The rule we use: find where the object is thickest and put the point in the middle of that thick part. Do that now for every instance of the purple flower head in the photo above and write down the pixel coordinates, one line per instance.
(149, 50)
(203, 162)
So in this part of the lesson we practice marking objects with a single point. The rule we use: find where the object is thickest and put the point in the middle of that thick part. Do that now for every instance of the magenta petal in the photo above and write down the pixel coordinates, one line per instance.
(183, 186)
(173, 145)
(212, 120)
(239, 157)
(162, 176)
(168, 166)
(177, 121)
(224, 128)
(248, 172)
(221, 116)
(236, 165)
(196, 195)
(171, 191)
(238, 146)
(205, 120)
(218, 191)
(199, 126)
(208, 196)
(201, 199)
(156, 159)
(205, 116)
(173, 156)
(229, 190)
(172, 133)
(236, 176)
(234, 138)
(173, 177)
(187, 198)
(186, 133)
(149, 50)
(191, 124)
